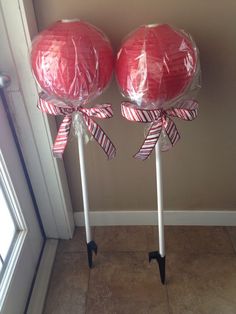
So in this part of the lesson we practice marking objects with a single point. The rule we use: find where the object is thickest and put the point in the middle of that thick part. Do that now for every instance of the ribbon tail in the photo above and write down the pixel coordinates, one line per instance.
(187, 111)
(62, 137)
(150, 141)
(100, 136)
(171, 131)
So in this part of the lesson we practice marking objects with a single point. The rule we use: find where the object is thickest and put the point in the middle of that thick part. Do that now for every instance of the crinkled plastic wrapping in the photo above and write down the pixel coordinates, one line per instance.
(72, 60)
(157, 66)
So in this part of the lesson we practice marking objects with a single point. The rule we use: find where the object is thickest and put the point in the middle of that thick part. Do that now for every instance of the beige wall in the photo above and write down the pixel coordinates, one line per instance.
(200, 172)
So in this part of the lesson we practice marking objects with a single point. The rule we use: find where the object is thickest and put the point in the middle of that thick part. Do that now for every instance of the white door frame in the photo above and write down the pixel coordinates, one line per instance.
(21, 262)
(35, 130)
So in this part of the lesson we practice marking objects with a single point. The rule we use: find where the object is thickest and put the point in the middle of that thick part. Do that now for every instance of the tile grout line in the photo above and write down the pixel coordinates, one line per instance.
(168, 300)
(86, 299)
(230, 239)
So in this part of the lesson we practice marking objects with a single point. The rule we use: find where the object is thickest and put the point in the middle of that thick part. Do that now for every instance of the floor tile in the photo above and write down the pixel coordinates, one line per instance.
(122, 238)
(77, 244)
(193, 239)
(202, 283)
(68, 285)
(125, 283)
(232, 234)
(201, 272)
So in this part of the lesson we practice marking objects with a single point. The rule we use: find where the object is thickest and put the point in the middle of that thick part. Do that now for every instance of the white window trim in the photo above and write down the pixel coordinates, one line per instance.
(35, 130)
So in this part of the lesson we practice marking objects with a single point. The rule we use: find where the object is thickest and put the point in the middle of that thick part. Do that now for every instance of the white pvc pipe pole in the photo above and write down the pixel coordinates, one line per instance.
(160, 199)
(84, 186)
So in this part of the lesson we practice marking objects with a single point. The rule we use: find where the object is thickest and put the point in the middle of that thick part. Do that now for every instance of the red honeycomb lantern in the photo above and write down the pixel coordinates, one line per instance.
(72, 60)
(155, 64)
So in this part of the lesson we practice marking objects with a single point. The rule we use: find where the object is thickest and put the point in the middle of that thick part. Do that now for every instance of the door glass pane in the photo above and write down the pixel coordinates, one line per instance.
(7, 228)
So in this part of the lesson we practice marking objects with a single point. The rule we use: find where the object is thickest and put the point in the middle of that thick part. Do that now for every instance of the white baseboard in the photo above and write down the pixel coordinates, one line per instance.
(40, 288)
(171, 217)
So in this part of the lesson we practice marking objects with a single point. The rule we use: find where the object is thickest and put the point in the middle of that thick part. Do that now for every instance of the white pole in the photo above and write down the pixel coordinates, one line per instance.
(84, 186)
(160, 199)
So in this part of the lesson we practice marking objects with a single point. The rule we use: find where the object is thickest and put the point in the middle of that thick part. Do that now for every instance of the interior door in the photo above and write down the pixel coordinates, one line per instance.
(21, 239)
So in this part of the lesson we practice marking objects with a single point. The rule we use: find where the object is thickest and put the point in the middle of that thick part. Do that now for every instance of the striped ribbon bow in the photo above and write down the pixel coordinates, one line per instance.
(160, 121)
(53, 106)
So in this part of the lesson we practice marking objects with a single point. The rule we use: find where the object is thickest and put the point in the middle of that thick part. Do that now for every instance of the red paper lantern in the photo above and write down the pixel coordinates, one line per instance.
(155, 64)
(72, 60)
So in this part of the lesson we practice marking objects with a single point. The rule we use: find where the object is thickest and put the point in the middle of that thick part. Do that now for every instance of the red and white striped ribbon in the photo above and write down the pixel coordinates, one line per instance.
(160, 120)
(54, 106)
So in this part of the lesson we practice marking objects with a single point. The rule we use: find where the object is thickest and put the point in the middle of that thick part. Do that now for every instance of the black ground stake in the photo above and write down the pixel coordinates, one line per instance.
(161, 262)
(91, 248)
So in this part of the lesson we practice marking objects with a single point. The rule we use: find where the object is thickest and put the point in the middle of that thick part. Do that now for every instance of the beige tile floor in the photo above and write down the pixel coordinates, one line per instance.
(201, 273)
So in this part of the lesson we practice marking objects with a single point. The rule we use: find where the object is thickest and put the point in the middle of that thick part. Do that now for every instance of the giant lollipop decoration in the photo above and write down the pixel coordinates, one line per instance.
(72, 62)
(155, 65)
(157, 68)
